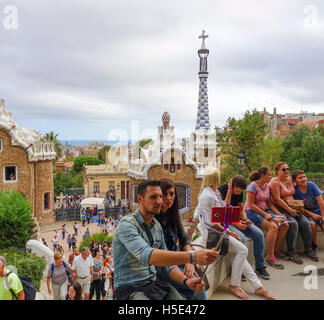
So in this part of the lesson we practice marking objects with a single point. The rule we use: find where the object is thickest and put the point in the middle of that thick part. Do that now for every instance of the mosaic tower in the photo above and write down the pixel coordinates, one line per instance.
(202, 123)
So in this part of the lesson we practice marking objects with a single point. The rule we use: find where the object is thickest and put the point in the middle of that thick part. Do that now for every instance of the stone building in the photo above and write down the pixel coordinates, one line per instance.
(26, 165)
(100, 179)
(280, 124)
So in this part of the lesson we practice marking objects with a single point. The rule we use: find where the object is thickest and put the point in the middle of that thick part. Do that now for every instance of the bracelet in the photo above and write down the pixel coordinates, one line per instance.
(185, 281)
(193, 257)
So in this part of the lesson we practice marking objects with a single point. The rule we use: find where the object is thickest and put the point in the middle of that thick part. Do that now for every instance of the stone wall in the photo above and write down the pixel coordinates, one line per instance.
(44, 184)
(34, 178)
(185, 175)
(12, 155)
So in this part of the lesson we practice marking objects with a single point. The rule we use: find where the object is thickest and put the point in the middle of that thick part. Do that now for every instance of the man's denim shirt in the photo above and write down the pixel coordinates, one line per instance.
(132, 251)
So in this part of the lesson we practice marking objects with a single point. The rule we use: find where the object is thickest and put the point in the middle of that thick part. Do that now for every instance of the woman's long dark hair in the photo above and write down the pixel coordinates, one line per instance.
(172, 214)
(78, 292)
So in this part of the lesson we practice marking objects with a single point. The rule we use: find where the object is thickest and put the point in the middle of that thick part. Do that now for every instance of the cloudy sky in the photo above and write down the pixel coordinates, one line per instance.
(86, 68)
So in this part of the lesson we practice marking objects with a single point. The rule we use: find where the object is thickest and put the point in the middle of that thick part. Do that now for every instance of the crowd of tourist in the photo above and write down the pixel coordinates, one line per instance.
(151, 257)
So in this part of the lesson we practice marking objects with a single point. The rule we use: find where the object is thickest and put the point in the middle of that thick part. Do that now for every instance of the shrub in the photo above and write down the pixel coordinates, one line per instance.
(15, 220)
(26, 264)
(314, 174)
(96, 237)
(316, 166)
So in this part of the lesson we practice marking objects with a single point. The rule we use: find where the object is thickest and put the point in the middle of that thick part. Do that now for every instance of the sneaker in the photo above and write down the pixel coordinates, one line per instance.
(262, 272)
(273, 262)
(243, 278)
(311, 254)
(281, 256)
(294, 257)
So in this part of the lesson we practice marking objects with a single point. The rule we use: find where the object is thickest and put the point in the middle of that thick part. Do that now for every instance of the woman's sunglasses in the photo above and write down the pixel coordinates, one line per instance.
(285, 169)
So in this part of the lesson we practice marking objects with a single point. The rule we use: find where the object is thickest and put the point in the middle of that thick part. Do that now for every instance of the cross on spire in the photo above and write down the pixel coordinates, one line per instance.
(203, 36)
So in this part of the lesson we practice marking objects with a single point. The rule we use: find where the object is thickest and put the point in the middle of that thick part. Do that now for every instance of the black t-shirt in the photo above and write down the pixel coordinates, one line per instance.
(235, 200)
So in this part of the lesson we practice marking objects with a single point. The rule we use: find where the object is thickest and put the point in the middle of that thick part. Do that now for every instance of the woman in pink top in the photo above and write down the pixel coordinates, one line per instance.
(282, 188)
(261, 211)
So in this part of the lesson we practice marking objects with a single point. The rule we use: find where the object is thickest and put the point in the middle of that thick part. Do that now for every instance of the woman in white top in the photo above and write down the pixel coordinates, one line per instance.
(209, 197)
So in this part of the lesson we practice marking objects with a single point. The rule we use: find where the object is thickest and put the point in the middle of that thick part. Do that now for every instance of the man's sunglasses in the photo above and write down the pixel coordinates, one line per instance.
(285, 169)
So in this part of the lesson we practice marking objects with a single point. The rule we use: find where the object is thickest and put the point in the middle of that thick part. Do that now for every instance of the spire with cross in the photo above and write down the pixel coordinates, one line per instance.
(202, 122)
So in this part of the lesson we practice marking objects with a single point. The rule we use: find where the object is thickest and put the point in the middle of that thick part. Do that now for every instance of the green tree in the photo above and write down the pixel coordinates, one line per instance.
(52, 138)
(70, 179)
(69, 158)
(85, 160)
(15, 220)
(304, 148)
(102, 153)
(249, 136)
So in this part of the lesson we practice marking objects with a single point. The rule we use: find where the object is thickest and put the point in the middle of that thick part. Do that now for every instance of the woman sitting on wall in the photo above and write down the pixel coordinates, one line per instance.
(261, 211)
(208, 198)
(282, 191)
(313, 202)
(175, 237)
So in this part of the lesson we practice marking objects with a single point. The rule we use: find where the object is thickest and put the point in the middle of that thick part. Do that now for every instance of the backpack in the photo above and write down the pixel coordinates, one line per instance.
(68, 273)
(27, 284)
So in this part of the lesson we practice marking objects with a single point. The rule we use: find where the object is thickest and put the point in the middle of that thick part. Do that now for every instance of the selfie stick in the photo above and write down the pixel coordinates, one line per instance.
(219, 243)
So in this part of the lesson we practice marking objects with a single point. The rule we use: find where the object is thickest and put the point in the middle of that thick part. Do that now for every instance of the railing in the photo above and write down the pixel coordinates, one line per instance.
(69, 214)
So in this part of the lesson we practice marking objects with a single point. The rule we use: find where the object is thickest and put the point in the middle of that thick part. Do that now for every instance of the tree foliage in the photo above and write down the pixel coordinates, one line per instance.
(51, 137)
(85, 160)
(26, 264)
(249, 136)
(15, 220)
(70, 179)
(100, 237)
(102, 153)
(304, 149)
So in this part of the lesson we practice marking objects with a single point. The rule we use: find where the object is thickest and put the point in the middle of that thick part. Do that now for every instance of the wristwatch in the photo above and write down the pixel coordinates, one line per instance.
(193, 257)
(185, 281)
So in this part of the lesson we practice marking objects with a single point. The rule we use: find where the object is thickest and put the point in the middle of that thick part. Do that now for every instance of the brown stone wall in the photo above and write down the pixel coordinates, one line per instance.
(185, 175)
(12, 155)
(44, 184)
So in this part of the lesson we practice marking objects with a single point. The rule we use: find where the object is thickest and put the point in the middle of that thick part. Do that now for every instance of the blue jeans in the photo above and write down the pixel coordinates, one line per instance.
(257, 235)
(161, 273)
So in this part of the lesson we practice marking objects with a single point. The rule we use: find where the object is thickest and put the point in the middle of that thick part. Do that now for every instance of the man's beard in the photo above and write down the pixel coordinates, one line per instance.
(154, 213)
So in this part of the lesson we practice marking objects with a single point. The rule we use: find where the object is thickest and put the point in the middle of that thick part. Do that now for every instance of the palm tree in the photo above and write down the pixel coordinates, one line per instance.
(51, 137)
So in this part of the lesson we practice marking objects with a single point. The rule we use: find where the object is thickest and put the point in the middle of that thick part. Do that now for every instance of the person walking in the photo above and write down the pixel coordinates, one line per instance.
(75, 227)
(9, 281)
(74, 242)
(83, 217)
(63, 229)
(57, 276)
(82, 271)
(55, 241)
(69, 241)
(88, 215)
(98, 272)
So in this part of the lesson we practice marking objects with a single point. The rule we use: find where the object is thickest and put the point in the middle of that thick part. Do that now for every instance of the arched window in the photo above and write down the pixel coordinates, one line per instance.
(47, 200)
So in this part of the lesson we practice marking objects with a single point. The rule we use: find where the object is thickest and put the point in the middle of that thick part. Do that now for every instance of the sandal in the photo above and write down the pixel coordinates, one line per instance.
(239, 293)
(264, 292)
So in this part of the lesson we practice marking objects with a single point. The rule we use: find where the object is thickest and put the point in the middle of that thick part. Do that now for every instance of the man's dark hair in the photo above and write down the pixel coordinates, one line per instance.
(296, 173)
(239, 182)
(147, 183)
